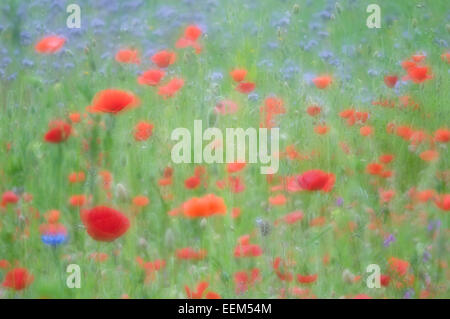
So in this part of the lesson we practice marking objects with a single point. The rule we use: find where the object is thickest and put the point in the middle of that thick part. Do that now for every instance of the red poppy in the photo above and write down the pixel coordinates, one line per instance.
(9, 197)
(386, 158)
(322, 82)
(442, 135)
(244, 279)
(245, 249)
(313, 110)
(306, 279)
(171, 88)
(191, 34)
(140, 201)
(226, 107)
(18, 279)
(113, 101)
(443, 202)
(208, 205)
(151, 77)
(163, 58)
(398, 266)
(142, 131)
(192, 182)
(59, 131)
(374, 168)
(245, 87)
(235, 167)
(50, 44)
(419, 74)
(78, 200)
(238, 75)
(190, 253)
(293, 217)
(105, 224)
(128, 56)
(315, 180)
(390, 80)
(200, 289)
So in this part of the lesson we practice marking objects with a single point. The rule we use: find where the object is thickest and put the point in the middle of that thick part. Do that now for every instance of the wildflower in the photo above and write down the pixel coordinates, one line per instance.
(208, 205)
(151, 77)
(113, 101)
(18, 279)
(163, 58)
(128, 56)
(50, 44)
(315, 180)
(59, 131)
(105, 224)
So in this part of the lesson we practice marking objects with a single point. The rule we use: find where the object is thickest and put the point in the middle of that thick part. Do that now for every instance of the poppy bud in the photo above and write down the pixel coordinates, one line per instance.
(296, 9)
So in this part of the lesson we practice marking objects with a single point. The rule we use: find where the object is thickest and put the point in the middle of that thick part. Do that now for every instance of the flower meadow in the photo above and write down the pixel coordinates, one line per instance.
(87, 178)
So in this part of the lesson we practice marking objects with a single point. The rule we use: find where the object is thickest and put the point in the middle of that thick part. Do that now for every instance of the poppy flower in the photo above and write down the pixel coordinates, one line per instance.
(443, 202)
(189, 253)
(277, 200)
(4, 264)
(386, 158)
(374, 168)
(18, 279)
(321, 129)
(192, 182)
(293, 217)
(171, 87)
(429, 155)
(390, 80)
(315, 180)
(322, 82)
(245, 87)
(446, 57)
(52, 216)
(282, 274)
(238, 75)
(113, 101)
(398, 266)
(50, 44)
(78, 200)
(226, 107)
(9, 197)
(199, 292)
(384, 280)
(419, 74)
(244, 279)
(245, 249)
(313, 110)
(366, 130)
(141, 201)
(77, 177)
(105, 224)
(98, 257)
(442, 135)
(208, 205)
(163, 58)
(151, 77)
(235, 167)
(307, 279)
(128, 56)
(75, 117)
(142, 131)
(59, 131)
(189, 39)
